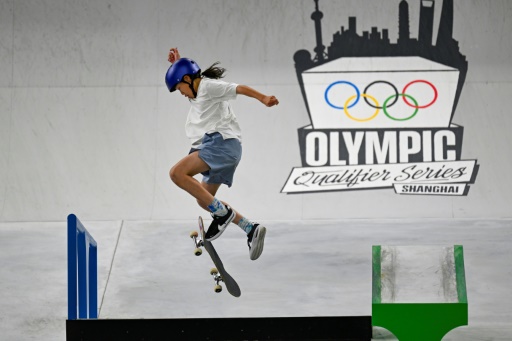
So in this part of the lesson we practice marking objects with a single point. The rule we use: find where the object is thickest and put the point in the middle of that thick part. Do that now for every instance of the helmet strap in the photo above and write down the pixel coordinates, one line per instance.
(191, 85)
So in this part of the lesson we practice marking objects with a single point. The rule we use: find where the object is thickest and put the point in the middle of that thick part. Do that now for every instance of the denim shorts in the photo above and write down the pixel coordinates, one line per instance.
(222, 156)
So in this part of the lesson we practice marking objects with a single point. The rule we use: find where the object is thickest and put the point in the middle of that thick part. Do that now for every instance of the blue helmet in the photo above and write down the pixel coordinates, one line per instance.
(178, 70)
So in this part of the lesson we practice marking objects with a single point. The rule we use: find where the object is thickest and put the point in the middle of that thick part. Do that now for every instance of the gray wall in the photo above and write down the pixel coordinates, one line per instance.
(87, 125)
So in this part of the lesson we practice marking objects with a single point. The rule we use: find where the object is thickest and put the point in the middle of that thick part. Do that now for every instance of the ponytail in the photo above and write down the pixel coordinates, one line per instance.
(214, 71)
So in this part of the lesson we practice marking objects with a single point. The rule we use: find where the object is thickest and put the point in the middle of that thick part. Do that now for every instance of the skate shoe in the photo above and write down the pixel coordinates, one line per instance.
(255, 240)
(219, 224)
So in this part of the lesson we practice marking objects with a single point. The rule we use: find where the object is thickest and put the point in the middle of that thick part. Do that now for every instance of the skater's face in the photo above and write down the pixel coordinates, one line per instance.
(184, 88)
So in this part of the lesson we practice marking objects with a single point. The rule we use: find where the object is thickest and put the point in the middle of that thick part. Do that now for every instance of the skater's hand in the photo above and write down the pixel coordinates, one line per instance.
(270, 101)
(174, 55)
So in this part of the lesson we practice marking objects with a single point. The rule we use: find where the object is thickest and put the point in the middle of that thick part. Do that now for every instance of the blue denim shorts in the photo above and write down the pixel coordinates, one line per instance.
(222, 156)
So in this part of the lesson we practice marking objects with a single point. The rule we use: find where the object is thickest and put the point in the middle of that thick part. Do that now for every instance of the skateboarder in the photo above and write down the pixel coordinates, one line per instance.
(215, 134)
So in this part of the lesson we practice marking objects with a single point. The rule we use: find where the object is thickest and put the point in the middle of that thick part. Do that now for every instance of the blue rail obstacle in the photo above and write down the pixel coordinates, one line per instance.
(419, 292)
(82, 272)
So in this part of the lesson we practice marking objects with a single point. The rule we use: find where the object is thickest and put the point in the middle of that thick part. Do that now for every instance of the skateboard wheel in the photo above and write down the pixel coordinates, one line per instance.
(194, 234)
(198, 252)
(218, 288)
(214, 271)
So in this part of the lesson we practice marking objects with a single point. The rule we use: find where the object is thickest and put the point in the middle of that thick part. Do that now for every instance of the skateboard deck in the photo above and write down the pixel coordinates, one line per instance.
(219, 274)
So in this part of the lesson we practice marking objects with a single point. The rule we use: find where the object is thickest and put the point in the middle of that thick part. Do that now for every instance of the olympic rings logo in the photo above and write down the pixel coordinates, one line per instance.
(388, 102)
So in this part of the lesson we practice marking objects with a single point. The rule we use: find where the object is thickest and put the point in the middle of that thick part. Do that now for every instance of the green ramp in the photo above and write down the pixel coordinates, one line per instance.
(419, 292)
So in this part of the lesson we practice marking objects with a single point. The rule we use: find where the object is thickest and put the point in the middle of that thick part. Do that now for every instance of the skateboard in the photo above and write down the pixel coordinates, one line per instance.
(219, 273)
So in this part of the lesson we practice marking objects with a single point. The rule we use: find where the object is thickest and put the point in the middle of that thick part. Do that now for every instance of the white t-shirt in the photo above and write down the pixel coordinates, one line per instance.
(210, 111)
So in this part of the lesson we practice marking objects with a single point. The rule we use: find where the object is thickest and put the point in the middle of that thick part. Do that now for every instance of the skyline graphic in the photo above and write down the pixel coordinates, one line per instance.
(374, 43)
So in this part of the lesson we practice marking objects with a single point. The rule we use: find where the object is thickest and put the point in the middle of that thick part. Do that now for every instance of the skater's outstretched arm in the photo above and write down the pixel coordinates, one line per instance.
(269, 101)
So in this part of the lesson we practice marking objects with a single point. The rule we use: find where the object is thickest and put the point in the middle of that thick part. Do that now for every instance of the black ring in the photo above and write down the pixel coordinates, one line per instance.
(397, 94)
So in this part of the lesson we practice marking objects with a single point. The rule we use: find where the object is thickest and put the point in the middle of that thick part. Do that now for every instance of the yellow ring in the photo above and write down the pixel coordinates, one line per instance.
(362, 119)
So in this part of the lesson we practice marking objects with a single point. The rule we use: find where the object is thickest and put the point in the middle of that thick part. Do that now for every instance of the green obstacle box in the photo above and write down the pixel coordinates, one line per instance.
(419, 292)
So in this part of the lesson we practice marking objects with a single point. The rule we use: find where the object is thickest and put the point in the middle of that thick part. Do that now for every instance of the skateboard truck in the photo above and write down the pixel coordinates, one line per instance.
(217, 278)
(198, 243)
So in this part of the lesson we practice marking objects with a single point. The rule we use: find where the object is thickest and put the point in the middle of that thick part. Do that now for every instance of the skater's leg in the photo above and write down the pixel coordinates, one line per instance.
(245, 224)
(182, 174)
(212, 189)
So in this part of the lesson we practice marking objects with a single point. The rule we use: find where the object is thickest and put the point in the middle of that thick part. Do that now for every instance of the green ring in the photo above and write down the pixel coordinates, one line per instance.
(384, 107)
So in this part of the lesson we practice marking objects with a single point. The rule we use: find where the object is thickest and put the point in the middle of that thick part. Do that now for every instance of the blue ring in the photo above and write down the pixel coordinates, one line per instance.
(342, 82)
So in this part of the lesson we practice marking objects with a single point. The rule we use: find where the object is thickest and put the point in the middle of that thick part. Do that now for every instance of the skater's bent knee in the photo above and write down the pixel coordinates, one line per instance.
(175, 175)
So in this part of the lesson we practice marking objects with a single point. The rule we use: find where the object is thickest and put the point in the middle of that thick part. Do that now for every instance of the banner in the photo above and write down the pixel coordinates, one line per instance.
(382, 112)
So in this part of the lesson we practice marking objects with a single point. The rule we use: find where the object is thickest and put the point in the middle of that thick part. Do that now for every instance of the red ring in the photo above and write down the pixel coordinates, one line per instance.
(423, 106)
